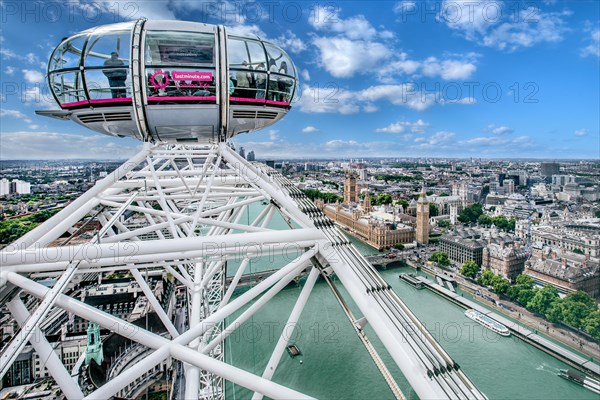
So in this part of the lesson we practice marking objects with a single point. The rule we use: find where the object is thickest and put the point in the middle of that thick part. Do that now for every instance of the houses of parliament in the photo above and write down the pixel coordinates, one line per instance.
(379, 228)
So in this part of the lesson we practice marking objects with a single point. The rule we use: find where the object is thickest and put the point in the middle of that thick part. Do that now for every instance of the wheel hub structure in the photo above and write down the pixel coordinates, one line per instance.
(179, 213)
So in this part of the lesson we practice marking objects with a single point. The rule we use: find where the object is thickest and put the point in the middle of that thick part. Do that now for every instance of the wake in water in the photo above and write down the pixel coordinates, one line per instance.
(547, 368)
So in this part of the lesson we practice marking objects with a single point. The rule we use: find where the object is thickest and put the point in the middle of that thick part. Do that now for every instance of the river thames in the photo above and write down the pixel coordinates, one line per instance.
(335, 365)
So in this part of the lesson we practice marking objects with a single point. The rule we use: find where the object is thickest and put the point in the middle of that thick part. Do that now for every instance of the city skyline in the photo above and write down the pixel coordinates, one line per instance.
(443, 79)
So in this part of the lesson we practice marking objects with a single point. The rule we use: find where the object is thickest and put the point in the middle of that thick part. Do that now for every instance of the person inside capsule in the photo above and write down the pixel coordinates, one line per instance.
(116, 76)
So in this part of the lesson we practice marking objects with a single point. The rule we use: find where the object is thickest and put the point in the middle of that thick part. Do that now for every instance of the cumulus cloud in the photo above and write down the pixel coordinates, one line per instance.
(32, 76)
(9, 70)
(438, 140)
(305, 74)
(328, 19)
(418, 126)
(32, 58)
(15, 114)
(290, 42)
(493, 23)
(125, 8)
(6, 53)
(498, 144)
(498, 130)
(333, 99)
(593, 49)
(351, 46)
(246, 30)
(309, 129)
(448, 69)
(343, 57)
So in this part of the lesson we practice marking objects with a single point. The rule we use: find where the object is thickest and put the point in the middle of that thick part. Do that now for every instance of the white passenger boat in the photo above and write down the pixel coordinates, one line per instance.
(487, 322)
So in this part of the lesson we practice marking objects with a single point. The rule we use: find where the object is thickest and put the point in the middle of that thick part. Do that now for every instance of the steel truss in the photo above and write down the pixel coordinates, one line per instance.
(179, 209)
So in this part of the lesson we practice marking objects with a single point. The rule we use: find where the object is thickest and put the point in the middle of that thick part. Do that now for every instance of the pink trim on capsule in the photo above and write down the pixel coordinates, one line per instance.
(160, 98)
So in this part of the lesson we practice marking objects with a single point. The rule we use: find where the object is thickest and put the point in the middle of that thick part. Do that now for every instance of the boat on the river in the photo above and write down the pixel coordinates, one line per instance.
(486, 321)
(580, 379)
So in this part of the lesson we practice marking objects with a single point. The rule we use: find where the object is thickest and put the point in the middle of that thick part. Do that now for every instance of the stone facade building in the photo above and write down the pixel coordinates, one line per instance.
(378, 229)
(489, 248)
(463, 245)
(568, 272)
(505, 259)
(378, 234)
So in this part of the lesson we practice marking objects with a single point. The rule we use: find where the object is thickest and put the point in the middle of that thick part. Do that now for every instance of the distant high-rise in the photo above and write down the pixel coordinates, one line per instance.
(251, 156)
(501, 178)
(20, 187)
(509, 186)
(242, 152)
(547, 169)
(422, 218)
(362, 174)
(270, 163)
(4, 187)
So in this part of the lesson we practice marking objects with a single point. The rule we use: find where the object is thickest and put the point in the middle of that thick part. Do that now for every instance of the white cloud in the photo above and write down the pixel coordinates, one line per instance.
(29, 145)
(273, 134)
(33, 76)
(370, 108)
(309, 129)
(593, 49)
(332, 99)
(305, 74)
(32, 58)
(438, 140)
(493, 23)
(290, 42)
(355, 47)
(453, 67)
(405, 6)
(440, 143)
(246, 30)
(418, 126)
(581, 132)
(343, 57)
(448, 69)
(498, 130)
(15, 114)
(498, 144)
(6, 53)
(125, 8)
(9, 70)
(328, 19)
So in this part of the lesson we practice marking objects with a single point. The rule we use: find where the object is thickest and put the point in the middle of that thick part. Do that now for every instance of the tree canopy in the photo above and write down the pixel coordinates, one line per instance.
(440, 257)
(470, 214)
(469, 269)
(501, 222)
(327, 197)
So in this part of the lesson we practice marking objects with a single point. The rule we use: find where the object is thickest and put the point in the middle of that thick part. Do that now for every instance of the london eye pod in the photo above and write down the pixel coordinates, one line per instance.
(170, 81)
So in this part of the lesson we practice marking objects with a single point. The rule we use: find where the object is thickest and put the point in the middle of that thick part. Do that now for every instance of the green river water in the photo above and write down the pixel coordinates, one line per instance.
(335, 365)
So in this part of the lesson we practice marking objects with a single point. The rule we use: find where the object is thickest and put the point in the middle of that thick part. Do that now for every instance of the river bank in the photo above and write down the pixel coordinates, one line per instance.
(567, 338)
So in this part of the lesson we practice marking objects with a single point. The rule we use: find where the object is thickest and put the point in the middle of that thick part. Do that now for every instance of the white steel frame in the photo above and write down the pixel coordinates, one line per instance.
(188, 201)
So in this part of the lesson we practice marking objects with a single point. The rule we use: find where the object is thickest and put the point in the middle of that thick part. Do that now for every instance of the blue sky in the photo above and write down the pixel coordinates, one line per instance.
(448, 78)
